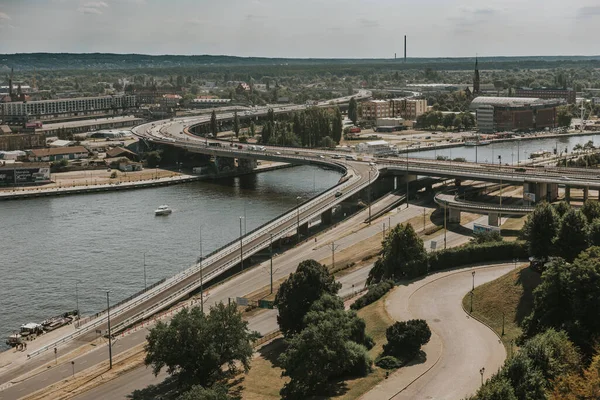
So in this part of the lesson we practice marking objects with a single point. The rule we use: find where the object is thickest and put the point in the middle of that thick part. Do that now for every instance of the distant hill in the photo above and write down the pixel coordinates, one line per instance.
(40, 61)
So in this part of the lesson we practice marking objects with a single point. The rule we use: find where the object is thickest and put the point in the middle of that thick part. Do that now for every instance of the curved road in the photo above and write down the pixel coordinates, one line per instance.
(460, 346)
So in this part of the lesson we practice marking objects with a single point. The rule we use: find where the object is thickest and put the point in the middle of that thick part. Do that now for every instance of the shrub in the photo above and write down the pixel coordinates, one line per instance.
(388, 362)
(113, 175)
(374, 293)
(405, 338)
(471, 254)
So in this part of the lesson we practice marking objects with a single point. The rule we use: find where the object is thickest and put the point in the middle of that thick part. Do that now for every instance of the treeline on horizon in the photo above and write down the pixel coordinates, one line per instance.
(72, 61)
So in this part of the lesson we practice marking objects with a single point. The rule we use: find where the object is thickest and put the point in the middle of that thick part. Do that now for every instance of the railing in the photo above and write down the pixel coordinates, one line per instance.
(211, 258)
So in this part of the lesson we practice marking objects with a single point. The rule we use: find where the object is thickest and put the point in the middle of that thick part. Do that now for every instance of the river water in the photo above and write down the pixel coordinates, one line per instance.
(99, 240)
(513, 152)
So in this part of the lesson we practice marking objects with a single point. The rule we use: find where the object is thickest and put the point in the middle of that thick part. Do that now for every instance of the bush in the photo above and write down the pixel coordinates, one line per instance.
(374, 293)
(471, 254)
(388, 362)
(405, 338)
(113, 175)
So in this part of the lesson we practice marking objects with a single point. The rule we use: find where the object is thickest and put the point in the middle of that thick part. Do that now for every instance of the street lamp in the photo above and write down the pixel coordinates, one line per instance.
(241, 246)
(201, 274)
(473, 274)
(77, 303)
(369, 196)
(145, 282)
(298, 218)
(109, 334)
(271, 255)
(481, 371)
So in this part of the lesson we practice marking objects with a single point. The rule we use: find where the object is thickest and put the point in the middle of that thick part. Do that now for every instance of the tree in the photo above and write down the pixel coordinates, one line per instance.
(353, 110)
(576, 386)
(594, 232)
(267, 132)
(568, 299)
(403, 255)
(197, 392)
(337, 126)
(572, 235)
(591, 210)
(486, 237)
(562, 208)
(448, 120)
(540, 229)
(252, 129)
(299, 291)
(405, 338)
(194, 347)
(214, 128)
(271, 115)
(328, 347)
(497, 388)
(153, 159)
(327, 142)
(563, 117)
(236, 124)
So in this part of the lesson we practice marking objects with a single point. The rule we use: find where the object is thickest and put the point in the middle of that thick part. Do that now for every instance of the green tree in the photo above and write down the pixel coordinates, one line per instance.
(562, 208)
(572, 235)
(540, 229)
(486, 237)
(153, 159)
(564, 117)
(403, 255)
(267, 133)
(594, 232)
(236, 124)
(299, 291)
(337, 126)
(568, 298)
(405, 338)
(497, 388)
(252, 129)
(194, 347)
(591, 210)
(271, 115)
(197, 392)
(214, 127)
(448, 120)
(323, 350)
(327, 142)
(353, 110)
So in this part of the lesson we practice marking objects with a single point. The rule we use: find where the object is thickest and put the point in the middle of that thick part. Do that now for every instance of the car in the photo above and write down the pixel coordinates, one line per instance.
(321, 156)
(338, 194)
(278, 153)
(371, 164)
(564, 178)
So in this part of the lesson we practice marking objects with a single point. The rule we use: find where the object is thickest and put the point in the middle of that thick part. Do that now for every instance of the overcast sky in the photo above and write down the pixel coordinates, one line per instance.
(303, 28)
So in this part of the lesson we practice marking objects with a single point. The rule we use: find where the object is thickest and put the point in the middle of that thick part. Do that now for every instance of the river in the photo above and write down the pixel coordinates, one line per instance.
(512, 152)
(99, 240)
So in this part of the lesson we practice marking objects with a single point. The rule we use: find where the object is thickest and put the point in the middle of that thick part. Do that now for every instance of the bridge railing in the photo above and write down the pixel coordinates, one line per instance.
(211, 258)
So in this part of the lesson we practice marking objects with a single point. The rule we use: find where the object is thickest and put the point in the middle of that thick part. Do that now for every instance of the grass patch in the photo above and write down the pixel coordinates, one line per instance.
(264, 379)
(512, 294)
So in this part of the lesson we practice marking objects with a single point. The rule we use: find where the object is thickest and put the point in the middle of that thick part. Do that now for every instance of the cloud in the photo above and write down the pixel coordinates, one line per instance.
(92, 7)
(588, 12)
(368, 23)
(4, 17)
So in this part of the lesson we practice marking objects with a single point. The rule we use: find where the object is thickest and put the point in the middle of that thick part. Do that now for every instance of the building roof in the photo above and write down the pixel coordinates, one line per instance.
(58, 151)
(5, 129)
(61, 143)
(504, 101)
(118, 152)
(377, 143)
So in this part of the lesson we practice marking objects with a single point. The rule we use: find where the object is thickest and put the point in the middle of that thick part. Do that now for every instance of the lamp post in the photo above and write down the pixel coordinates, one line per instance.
(369, 196)
(502, 323)
(445, 226)
(407, 178)
(201, 274)
(481, 371)
(473, 274)
(241, 246)
(271, 255)
(298, 219)
(77, 303)
(145, 281)
(109, 334)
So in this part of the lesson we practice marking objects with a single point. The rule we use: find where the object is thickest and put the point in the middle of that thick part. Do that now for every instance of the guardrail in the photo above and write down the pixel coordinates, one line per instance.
(211, 258)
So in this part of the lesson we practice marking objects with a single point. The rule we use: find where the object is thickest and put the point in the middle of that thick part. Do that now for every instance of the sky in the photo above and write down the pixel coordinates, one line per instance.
(303, 28)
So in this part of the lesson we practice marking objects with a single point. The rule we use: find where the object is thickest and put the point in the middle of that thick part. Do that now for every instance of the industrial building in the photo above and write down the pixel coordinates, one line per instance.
(569, 95)
(496, 114)
(20, 112)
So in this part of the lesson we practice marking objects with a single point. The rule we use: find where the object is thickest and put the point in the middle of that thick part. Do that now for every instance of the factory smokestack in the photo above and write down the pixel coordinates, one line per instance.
(404, 48)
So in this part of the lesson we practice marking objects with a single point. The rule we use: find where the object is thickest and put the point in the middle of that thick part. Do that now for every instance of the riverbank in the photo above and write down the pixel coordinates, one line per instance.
(92, 186)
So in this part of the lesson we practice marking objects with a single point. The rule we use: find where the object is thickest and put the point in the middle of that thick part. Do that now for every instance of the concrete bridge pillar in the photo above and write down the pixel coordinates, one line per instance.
(246, 164)
(586, 193)
(327, 217)
(454, 216)
(567, 194)
(493, 219)
(304, 229)
(552, 191)
(224, 164)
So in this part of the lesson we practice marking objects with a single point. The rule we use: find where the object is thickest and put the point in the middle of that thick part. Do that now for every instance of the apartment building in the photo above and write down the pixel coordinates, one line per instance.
(375, 109)
(19, 112)
(569, 95)
(408, 109)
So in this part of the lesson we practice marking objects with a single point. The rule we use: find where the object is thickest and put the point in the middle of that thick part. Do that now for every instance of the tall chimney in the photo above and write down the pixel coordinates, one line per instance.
(404, 48)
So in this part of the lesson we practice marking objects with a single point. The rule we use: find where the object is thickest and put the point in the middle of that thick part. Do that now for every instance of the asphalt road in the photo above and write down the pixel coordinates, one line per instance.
(459, 347)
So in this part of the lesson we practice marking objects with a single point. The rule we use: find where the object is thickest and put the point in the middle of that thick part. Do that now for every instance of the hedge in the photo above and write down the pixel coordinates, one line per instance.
(472, 254)
(374, 293)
